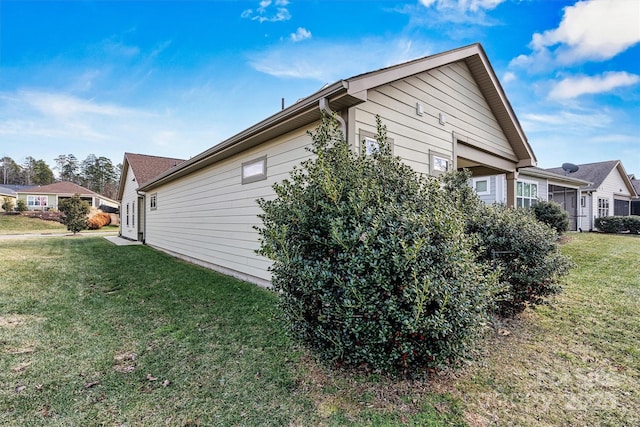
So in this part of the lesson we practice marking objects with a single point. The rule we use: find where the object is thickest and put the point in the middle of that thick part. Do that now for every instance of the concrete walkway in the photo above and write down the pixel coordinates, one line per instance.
(121, 241)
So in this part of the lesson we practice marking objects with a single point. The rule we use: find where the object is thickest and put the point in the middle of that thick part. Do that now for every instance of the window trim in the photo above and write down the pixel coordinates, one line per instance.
(153, 201)
(254, 177)
(482, 193)
(436, 156)
(39, 198)
(365, 134)
(603, 209)
(532, 200)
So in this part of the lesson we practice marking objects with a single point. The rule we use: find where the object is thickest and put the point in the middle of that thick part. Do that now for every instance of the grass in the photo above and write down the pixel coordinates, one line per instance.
(18, 224)
(85, 341)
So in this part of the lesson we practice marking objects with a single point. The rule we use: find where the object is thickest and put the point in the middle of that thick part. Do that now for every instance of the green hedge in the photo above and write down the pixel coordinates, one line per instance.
(619, 224)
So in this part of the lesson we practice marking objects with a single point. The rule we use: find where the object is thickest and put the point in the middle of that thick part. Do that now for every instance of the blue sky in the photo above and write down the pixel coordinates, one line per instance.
(173, 78)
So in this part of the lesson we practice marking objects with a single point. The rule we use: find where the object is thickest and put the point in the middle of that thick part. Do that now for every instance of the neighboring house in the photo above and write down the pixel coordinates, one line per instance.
(138, 169)
(46, 197)
(11, 191)
(442, 112)
(535, 184)
(610, 192)
(635, 203)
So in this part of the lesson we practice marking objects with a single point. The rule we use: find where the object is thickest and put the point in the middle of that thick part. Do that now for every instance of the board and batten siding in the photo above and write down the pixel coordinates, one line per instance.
(449, 90)
(130, 198)
(208, 216)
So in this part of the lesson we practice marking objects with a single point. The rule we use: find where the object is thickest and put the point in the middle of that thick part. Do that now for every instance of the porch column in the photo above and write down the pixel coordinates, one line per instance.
(512, 178)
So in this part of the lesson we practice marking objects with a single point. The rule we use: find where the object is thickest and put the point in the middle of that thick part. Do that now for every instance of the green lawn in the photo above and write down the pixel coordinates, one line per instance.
(97, 334)
(18, 224)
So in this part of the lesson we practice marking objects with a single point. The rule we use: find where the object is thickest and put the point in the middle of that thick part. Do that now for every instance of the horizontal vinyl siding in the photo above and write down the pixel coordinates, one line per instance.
(449, 90)
(129, 196)
(209, 215)
(614, 184)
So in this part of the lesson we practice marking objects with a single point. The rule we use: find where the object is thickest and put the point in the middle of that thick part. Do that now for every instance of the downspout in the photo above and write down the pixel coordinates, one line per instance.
(324, 107)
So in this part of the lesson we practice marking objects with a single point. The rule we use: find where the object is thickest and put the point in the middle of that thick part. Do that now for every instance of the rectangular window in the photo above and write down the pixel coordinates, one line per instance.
(153, 201)
(369, 143)
(526, 194)
(38, 201)
(583, 201)
(481, 185)
(254, 170)
(127, 212)
(603, 207)
(440, 163)
(133, 214)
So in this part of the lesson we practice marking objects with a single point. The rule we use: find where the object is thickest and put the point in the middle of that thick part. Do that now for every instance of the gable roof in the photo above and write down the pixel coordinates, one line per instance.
(145, 168)
(352, 91)
(62, 187)
(12, 189)
(597, 172)
(636, 184)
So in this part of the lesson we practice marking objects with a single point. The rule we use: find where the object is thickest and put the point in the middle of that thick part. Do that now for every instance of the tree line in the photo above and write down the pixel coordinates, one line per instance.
(95, 173)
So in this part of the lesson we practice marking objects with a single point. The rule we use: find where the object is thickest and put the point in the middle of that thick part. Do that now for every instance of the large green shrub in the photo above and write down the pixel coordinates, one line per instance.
(371, 261)
(21, 205)
(552, 214)
(75, 212)
(523, 250)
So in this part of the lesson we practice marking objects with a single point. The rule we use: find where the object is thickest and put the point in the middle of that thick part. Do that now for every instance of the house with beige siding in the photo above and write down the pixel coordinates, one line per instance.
(442, 112)
(137, 169)
(609, 194)
(47, 197)
(535, 184)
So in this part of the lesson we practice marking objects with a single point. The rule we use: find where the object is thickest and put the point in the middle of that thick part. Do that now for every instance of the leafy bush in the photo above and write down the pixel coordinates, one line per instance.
(21, 205)
(371, 262)
(7, 204)
(75, 212)
(552, 214)
(523, 250)
(618, 224)
(99, 220)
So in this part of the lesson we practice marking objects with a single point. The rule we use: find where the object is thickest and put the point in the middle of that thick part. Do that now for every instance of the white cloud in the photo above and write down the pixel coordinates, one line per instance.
(339, 60)
(509, 77)
(268, 11)
(462, 5)
(581, 122)
(594, 30)
(301, 34)
(574, 87)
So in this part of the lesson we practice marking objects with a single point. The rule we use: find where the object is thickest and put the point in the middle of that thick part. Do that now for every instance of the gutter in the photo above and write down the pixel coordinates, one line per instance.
(324, 107)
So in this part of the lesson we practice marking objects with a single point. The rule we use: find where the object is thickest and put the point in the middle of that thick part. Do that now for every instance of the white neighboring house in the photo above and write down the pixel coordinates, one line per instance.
(136, 170)
(609, 194)
(442, 112)
(535, 184)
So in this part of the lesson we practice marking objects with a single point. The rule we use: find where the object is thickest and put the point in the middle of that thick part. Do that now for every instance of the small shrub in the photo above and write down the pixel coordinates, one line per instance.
(371, 262)
(21, 205)
(75, 212)
(633, 224)
(552, 214)
(99, 220)
(7, 204)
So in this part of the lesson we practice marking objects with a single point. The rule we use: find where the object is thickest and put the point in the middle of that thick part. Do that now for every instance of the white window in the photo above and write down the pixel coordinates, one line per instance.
(603, 207)
(481, 185)
(526, 194)
(440, 163)
(371, 146)
(254, 170)
(38, 201)
(583, 201)
(153, 201)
